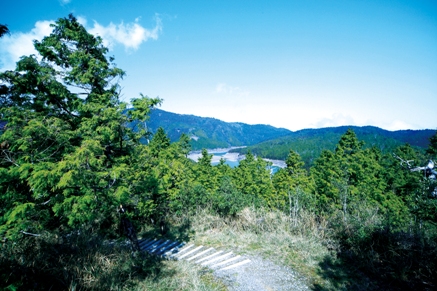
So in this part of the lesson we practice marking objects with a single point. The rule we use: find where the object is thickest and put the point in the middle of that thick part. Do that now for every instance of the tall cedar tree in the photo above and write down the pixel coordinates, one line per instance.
(252, 178)
(292, 183)
(353, 176)
(67, 153)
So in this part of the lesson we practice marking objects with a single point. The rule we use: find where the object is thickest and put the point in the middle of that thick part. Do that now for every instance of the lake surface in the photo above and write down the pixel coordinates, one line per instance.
(231, 159)
(232, 164)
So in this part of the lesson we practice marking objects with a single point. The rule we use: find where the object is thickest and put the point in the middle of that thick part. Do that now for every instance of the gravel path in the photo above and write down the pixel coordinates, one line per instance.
(261, 275)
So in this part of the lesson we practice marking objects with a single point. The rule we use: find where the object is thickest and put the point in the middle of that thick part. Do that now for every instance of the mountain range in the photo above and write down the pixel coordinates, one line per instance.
(275, 143)
(208, 132)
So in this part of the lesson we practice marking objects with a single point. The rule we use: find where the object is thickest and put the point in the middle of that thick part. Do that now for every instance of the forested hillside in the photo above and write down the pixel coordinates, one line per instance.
(210, 132)
(310, 143)
(76, 181)
(275, 143)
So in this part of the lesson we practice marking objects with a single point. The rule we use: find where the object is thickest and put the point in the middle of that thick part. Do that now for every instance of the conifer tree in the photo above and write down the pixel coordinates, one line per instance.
(68, 152)
(402, 183)
(3, 30)
(292, 185)
(432, 148)
(252, 178)
(206, 173)
(351, 176)
(159, 142)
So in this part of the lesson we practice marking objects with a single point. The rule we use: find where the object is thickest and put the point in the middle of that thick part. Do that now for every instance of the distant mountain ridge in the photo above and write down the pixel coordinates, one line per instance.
(309, 143)
(206, 132)
(275, 143)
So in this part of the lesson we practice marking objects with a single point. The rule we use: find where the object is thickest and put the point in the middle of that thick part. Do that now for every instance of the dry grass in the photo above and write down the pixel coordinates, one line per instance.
(183, 276)
(90, 263)
(301, 243)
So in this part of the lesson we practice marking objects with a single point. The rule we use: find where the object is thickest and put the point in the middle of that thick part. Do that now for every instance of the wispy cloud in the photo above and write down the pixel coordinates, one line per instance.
(223, 88)
(130, 35)
(15, 45)
(339, 119)
(399, 125)
(336, 119)
(63, 2)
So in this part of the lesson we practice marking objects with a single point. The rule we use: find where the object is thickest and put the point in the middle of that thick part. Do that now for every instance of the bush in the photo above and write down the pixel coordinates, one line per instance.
(227, 201)
(391, 260)
(189, 199)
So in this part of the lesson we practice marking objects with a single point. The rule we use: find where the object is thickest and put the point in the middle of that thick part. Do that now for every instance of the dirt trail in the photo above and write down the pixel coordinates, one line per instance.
(239, 273)
(261, 275)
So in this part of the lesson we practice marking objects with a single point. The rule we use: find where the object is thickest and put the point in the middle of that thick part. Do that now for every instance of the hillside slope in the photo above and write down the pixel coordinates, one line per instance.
(309, 143)
(210, 132)
(275, 143)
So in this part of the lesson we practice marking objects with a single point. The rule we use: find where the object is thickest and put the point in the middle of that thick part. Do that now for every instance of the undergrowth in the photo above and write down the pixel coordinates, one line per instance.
(87, 262)
(336, 252)
(300, 243)
(331, 252)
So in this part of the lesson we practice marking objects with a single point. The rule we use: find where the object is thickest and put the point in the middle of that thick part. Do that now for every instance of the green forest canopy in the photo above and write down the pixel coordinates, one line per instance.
(69, 158)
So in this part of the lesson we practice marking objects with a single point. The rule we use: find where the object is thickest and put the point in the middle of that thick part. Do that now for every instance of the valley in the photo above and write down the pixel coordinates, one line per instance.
(273, 143)
(233, 158)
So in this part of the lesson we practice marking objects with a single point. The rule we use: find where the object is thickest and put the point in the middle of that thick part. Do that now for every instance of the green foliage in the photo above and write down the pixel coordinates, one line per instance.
(205, 173)
(352, 174)
(81, 262)
(172, 175)
(294, 188)
(310, 143)
(432, 148)
(68, 153)
(210, 132)
(159, 143)
(228, 201)
(71, 153)
(252, 178)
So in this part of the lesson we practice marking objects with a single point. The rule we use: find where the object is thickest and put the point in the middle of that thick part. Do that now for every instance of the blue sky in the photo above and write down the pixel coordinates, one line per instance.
(292, 64)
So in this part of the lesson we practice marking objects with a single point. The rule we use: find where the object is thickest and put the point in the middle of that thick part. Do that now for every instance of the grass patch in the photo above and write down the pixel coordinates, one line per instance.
(86, 262)
(300, 244)
(307, 244)
(181, 275)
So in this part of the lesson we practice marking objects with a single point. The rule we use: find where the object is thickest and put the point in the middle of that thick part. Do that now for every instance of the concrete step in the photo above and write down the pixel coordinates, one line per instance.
(211, 258)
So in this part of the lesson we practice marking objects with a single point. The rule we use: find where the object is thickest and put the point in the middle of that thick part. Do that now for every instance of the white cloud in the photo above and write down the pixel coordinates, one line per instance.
(13, 46)
(65, 1)
(399, 125)
(223, 88)
(130, 35)
(339, 119)
(336, 119)
(82, 20)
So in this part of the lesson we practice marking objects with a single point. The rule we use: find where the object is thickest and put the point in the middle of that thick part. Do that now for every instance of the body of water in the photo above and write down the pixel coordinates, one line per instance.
(231, 159)
(232, 164)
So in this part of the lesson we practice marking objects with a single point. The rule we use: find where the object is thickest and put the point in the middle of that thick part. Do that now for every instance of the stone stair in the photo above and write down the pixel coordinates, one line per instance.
(210, 257)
